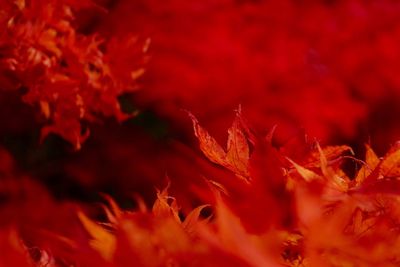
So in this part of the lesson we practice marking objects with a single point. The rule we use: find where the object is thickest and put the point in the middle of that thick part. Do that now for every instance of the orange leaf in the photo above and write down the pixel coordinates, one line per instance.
(163, 208)
(208, 145)
(307, 174)
(238, 150)
(390, 166)
(236, 159)
(192, 219)
(338, 182)
(371, 160)
(102, 241)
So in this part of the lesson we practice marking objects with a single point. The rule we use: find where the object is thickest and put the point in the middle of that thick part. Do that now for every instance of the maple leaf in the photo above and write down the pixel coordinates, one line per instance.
(163, 208)
(208, 145)
(236, 156)
(192, 220)
(382, 174)
(371, 162)
(308, 175)
(390, 164)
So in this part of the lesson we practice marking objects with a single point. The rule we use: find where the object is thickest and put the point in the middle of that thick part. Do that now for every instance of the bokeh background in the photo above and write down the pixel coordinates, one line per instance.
(326, 68)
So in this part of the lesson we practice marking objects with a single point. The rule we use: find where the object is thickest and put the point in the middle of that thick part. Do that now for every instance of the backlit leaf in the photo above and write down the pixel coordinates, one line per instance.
(102, 241)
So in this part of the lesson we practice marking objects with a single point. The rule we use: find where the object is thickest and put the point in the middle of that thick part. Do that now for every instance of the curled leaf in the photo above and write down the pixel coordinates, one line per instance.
(236, 156)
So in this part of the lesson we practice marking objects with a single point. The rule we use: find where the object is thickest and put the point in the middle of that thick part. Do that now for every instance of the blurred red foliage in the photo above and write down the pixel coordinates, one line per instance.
(274, 197)
(271, 211)
(327, 66)
(65, 67)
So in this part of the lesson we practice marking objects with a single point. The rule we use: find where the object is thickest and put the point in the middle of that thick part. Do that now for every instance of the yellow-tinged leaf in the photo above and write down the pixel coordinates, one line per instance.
(102, 241)
(307, 174)
(326, 171)
(163, 208)
(192, 219)
(339, 182)
(390, 166)
(371, 160)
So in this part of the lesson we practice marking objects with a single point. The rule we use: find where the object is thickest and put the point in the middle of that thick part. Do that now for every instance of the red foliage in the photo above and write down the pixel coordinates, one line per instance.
(69, 74)
(279, 214)
(274, 198)
(327, 66)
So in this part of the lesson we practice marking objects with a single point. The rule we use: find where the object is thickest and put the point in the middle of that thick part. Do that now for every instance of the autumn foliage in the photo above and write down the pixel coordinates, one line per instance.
(70, 74)
(114, 118)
